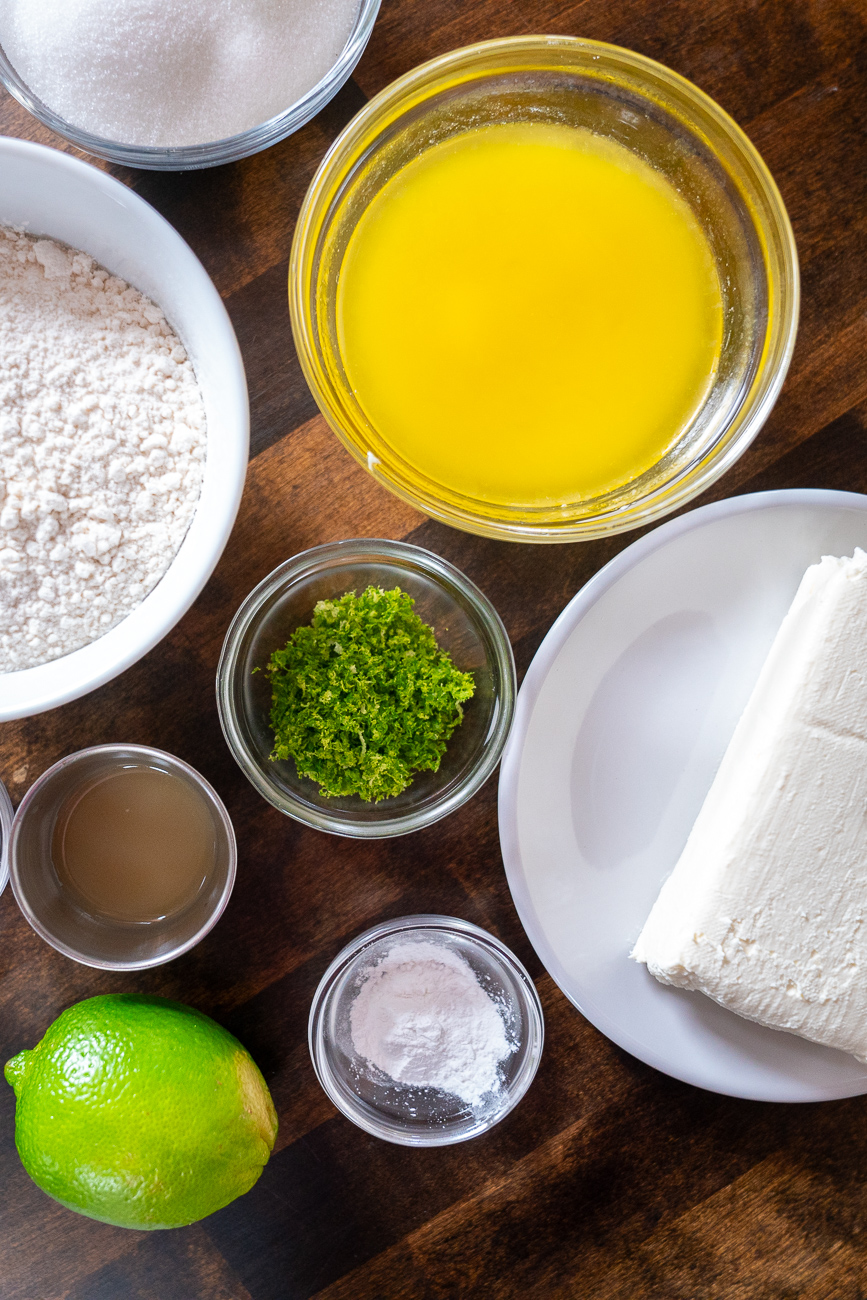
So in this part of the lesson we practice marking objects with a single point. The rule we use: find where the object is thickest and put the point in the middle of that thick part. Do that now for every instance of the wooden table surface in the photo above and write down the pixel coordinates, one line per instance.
(610, 1181)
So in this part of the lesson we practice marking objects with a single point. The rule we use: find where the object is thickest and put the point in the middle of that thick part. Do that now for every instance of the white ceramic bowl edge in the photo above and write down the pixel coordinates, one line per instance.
(50, 193)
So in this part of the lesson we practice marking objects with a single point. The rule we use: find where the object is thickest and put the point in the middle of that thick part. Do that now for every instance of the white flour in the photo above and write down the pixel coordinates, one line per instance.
(102, 448)
(173, 72)
(422, 1017)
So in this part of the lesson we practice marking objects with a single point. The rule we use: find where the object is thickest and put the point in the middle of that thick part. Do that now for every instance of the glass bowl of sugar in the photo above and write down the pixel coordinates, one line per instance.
(426, 1031)
(175, 85)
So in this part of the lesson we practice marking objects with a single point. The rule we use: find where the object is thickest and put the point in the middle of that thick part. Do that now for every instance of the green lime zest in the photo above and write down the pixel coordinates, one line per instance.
(363, 697)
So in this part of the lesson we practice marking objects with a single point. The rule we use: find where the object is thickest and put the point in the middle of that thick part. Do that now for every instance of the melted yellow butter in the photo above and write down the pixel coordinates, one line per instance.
(529, 314)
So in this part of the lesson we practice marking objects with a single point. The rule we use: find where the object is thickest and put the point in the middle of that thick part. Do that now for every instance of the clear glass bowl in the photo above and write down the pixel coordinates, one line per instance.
(466, 625)
(194, 156)
(73, 926)
(6, 815)
(403, 1113)
(652, 111)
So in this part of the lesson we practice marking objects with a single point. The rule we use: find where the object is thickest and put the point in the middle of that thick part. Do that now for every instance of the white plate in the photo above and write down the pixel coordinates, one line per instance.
(620, 724)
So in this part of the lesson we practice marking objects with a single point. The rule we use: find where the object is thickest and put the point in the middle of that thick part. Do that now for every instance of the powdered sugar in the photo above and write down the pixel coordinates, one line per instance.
(422, 1017)
(102, 448)
(173, 72)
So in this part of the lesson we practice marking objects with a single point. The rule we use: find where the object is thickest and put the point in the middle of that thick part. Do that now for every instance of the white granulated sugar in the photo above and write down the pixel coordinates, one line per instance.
(422, 1017)
(173, 72)
(102, 449)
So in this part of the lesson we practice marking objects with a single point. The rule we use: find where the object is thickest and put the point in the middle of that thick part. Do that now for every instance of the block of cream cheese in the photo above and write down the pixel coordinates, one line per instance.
(766, 909)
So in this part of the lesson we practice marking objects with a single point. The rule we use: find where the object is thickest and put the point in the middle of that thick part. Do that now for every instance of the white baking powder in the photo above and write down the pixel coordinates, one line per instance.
(422, 1017)
(173, 72)
(102, 448)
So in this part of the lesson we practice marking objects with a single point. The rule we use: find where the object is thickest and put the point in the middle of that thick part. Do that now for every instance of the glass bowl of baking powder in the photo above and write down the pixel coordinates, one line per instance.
(426, 1031)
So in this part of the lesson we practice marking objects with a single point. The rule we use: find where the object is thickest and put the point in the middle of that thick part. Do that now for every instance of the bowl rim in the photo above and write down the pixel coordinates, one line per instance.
(410, 91)
(402, 925)
(29, 691)
(305, 564)
(211, 153)
(7, 813)
(210, 794)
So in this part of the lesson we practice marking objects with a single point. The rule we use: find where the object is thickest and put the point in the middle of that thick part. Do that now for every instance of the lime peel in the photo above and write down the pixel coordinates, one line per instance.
(363, 697)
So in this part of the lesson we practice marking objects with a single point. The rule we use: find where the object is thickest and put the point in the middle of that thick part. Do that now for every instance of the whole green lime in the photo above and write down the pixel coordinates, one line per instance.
(141, 1112)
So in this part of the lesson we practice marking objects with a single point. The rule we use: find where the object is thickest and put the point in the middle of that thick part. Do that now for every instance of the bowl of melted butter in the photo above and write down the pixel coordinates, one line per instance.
(544, 288)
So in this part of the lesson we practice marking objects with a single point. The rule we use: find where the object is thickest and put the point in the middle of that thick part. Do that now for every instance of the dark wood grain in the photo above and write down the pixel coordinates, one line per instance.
(610, 1181)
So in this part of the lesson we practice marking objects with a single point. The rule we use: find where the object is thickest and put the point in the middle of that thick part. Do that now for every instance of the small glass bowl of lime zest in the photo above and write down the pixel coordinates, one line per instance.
(387, 698)
(465, 625)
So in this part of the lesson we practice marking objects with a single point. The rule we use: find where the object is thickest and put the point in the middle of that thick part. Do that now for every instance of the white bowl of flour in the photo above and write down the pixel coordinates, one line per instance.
(52, 197)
